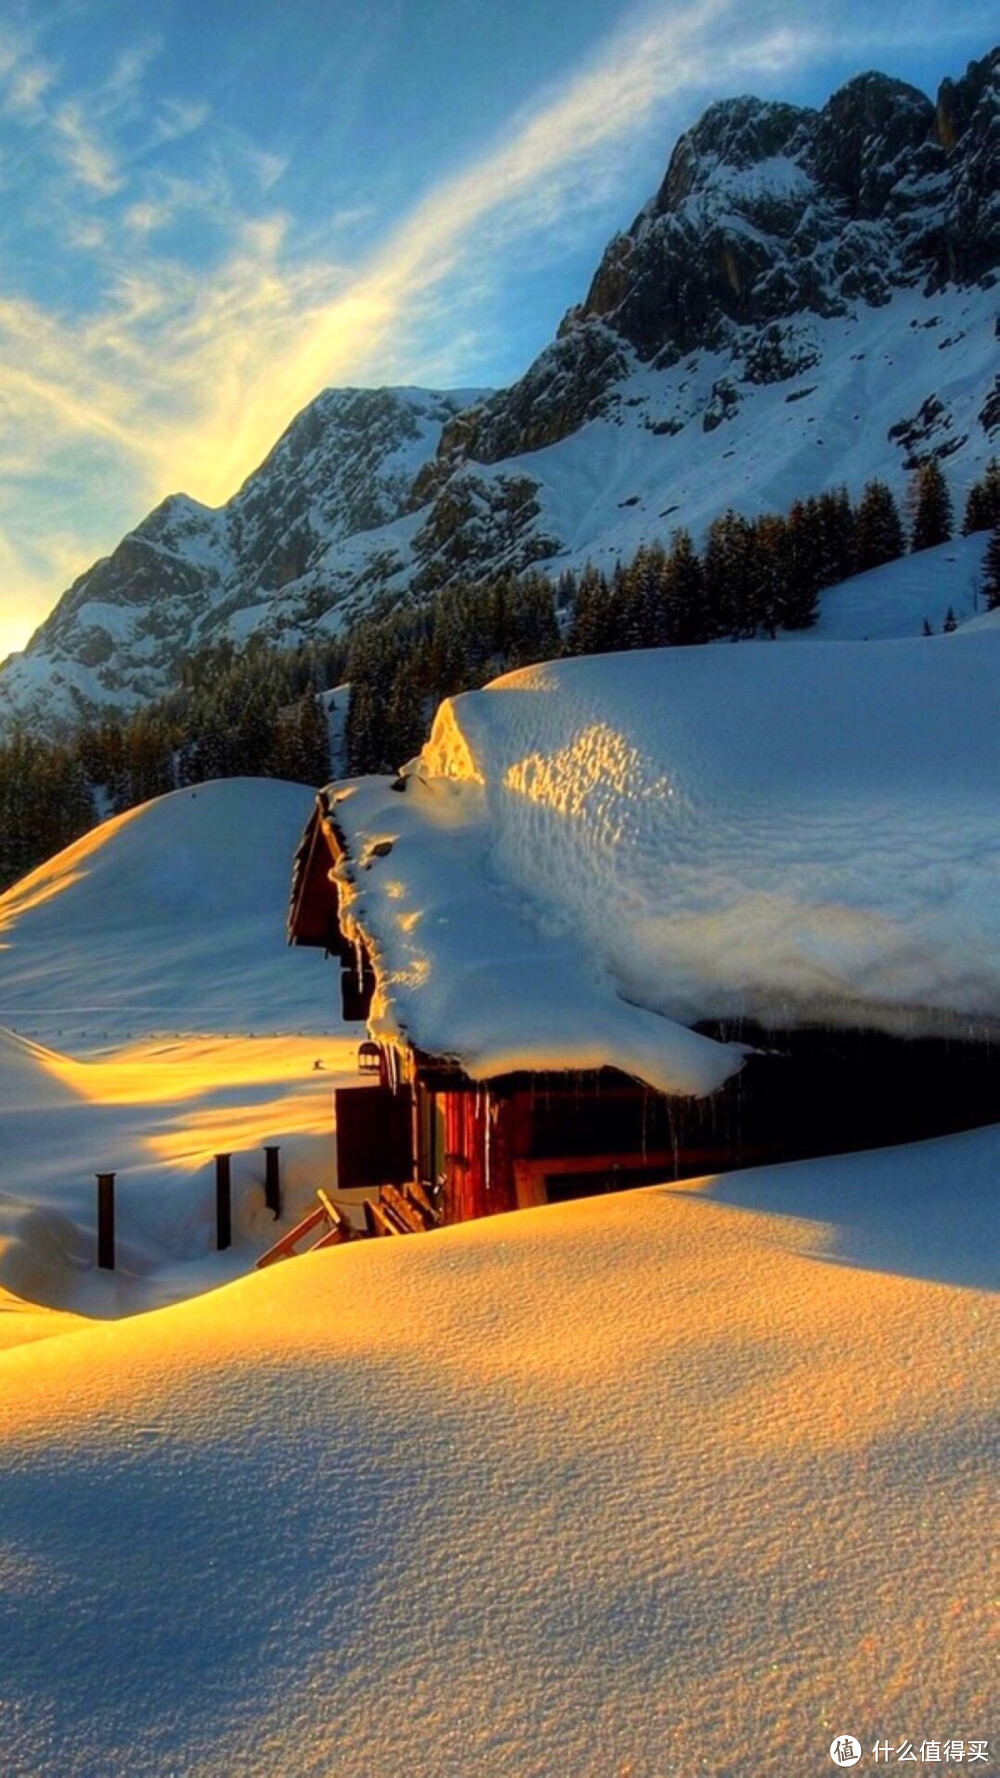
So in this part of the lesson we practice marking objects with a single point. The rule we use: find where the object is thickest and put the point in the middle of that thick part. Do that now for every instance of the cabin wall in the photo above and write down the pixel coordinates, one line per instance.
(478, 1160)
(536, 1139)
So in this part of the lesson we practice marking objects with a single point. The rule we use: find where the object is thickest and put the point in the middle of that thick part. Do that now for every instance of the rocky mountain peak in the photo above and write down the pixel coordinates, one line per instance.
(734, 133)
(769, 211)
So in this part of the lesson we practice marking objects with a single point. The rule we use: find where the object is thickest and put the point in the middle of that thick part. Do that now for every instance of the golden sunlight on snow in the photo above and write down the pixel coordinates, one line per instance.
(270, 1088)
(155, 1114)
(568, 779)
(22, 1322)
(654, 1482)
(61, 872)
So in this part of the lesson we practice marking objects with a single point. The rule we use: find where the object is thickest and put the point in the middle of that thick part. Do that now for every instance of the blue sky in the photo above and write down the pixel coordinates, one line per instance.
(209, 212)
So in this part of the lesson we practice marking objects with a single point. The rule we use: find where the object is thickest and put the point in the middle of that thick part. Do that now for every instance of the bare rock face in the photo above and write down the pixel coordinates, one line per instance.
(968, 127)
(769, 211)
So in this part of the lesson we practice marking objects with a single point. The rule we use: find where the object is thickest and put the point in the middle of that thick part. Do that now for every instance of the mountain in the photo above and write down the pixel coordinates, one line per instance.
(315, 527)
(810, 298)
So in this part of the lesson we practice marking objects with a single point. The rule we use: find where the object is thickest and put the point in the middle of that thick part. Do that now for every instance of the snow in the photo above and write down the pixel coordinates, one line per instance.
(169, 914)
(685, 1479)
(592, 855)
(689, 1479)
(151, 1016)
(893, 601)
(608, 487)
(464, 970)
(776, 175)
(873, 372)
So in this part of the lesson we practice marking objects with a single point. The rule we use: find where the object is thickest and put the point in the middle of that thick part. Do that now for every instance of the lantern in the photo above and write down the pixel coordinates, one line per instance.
(369, 1057)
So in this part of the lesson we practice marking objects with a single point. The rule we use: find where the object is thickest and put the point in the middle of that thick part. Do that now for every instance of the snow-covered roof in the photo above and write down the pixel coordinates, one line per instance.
(591, 856)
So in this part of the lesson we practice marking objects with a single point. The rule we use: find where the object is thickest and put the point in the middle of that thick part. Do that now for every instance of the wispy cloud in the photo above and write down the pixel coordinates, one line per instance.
(179, 373)
(83, 155)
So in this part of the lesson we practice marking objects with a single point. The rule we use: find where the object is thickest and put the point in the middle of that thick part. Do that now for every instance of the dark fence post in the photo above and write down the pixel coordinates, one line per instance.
(223, 1202)
(106, 1221)
(272, 1181)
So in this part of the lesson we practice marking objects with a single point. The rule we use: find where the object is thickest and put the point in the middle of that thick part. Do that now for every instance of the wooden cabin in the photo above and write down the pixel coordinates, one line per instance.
(534, 1136)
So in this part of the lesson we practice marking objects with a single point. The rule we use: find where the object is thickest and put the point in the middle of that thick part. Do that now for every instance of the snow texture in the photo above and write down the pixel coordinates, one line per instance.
(684, 1480)
(591, 855)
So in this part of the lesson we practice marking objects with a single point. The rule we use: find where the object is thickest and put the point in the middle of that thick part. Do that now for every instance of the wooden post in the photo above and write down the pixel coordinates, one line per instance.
(106, 1221)
(223, 1202)
(272, 1181)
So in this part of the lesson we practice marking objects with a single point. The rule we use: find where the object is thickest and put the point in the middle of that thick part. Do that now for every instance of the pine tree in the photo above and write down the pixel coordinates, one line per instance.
(837, 542)
(592, 625)
(879, 529)
(728, 570)
(991, 571)
(982, 508)
(363, 729)
(533, 628)
(405, 721)
(314, 737)
(934, 521)
(684, 592)
(770, 551)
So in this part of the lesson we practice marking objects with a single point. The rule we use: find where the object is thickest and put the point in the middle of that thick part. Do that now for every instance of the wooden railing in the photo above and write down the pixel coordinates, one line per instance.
(335, 1226)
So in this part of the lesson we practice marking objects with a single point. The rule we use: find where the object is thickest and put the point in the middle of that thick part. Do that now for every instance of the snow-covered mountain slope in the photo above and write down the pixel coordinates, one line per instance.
(678, 1480)
(896, 600)
(811, 298)
(319, 523)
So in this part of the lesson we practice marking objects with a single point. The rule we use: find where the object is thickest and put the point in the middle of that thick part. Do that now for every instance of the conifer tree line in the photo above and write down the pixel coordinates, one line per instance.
(752, 578)
(236, 712)
(254, 710)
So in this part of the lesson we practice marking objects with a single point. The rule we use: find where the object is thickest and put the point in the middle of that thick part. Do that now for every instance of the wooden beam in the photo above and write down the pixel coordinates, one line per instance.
(395, 1205)
(336, 1217)
(415, 1194)
(334, 1237)
(376, 1220)
(283, 1248)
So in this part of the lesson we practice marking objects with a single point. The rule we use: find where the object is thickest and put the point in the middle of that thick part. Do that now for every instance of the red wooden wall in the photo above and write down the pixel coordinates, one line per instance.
(479, 1158)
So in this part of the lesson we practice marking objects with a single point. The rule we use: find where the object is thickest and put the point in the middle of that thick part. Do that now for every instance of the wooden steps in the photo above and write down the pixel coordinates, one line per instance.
(405, 1210)
(401, 1210)
(335, 1230)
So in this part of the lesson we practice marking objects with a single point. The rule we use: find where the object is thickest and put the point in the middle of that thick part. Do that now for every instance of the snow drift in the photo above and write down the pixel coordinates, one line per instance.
(160, 1019)
(168, 917)
(655, 1483)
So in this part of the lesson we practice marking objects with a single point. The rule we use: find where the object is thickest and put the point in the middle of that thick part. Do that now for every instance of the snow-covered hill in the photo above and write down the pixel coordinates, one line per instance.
(150, 1016)
(896, 600)
(811, 298)
(169, 916)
